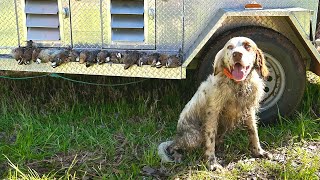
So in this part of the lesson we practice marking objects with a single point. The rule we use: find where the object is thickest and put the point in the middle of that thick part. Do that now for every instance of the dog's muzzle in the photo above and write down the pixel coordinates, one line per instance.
(239, 71)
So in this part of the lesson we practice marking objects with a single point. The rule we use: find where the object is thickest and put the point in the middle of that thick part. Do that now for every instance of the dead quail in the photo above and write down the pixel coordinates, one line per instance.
(153, 59)
(102, 57)
(27, 55)
(47, 55)
(162, 60)
(173, 61)
(30, 44)
(60, 58)
(44, 56)
(35, 54)
(91, 58)
(130, 58)
(115, 57)
(73, 55)
(17, 54)
(83, 56)
(143, 59)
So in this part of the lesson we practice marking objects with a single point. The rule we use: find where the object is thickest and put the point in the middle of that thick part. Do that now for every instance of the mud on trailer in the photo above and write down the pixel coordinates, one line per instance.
(193, 31)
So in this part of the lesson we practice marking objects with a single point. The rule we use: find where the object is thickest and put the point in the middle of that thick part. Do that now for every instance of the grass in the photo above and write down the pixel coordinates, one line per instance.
(51, 128)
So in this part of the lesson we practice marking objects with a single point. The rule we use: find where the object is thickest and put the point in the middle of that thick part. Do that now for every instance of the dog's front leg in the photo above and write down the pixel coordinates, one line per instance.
(251, 125)
(211, 126)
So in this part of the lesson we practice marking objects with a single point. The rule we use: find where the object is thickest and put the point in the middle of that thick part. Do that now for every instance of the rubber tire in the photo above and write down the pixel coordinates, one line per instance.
(282, 49)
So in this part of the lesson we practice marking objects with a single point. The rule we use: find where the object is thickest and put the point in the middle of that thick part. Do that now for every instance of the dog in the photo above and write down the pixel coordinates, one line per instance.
(227, 98)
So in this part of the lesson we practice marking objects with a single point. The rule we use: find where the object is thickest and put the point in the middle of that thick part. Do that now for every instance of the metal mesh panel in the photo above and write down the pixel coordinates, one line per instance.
(8, 26)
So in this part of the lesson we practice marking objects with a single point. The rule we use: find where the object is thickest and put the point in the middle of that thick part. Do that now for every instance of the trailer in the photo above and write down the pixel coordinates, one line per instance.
(192, 30)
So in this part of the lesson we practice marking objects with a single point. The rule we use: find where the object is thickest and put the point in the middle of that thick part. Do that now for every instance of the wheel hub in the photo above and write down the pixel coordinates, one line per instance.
(275, 83)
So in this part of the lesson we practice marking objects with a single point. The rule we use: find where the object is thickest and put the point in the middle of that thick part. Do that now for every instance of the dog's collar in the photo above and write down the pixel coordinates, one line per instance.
(227, 73)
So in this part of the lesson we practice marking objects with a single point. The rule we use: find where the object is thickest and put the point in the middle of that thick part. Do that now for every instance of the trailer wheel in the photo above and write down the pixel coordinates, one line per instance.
(286, 82)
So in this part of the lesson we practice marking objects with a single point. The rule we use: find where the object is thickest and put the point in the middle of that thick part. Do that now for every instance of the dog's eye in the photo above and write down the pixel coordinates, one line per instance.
(247, 47)
(230, 47)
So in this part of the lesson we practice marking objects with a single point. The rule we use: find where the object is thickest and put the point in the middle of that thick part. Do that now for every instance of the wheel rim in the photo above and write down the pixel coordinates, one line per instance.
(275, 83)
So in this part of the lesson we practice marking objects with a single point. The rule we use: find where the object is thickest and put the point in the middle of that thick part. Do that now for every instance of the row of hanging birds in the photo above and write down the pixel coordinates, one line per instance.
(57, 56)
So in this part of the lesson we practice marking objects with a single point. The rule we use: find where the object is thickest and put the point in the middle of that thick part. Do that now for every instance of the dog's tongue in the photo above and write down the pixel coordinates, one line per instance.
(238, 72)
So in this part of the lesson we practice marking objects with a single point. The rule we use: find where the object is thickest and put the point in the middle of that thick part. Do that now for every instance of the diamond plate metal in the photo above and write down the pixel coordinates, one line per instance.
(279, 24)
(8, 26)
(86, 24)
(178, 24)
(197, 16)
(65, 26)
(104, 69)
(169, 23)
(106, 23)
(150, 23)
(278, 19)
(87, 33)
(199, 13)
(21, 22)
(309, 46)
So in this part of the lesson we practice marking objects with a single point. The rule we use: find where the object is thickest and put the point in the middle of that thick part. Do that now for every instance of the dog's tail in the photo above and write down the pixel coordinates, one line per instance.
(162, 152)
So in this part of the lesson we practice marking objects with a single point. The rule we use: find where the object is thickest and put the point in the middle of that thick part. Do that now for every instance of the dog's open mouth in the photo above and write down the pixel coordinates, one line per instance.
(239, 72)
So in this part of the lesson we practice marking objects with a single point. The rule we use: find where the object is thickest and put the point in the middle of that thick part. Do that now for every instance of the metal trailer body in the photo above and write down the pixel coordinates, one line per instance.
(163, 26)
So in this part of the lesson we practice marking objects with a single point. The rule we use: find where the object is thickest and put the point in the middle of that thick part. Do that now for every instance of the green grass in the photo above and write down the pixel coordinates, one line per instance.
(51, 128)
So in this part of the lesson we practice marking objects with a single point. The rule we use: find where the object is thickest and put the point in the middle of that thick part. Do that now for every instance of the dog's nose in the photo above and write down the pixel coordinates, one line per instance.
(237, 56)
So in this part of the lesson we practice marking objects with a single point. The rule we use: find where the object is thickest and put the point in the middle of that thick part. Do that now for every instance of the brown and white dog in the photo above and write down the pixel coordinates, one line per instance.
(229, 97)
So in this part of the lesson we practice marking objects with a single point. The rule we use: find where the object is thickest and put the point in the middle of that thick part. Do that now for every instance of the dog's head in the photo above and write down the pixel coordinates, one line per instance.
(238, 58)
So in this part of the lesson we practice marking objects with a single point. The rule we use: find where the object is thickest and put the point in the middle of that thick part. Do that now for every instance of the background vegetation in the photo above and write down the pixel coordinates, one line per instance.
(53, 128)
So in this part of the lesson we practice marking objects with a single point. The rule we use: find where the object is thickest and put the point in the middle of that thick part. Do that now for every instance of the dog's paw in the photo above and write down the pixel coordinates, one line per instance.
(212, 163)
(167, 154)
(177, 157)
(262, 154)
(214, 167)
(163, 153)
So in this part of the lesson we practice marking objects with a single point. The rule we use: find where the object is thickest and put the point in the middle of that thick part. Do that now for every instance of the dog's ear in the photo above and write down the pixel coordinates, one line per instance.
(261, 63)
(218, 62)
